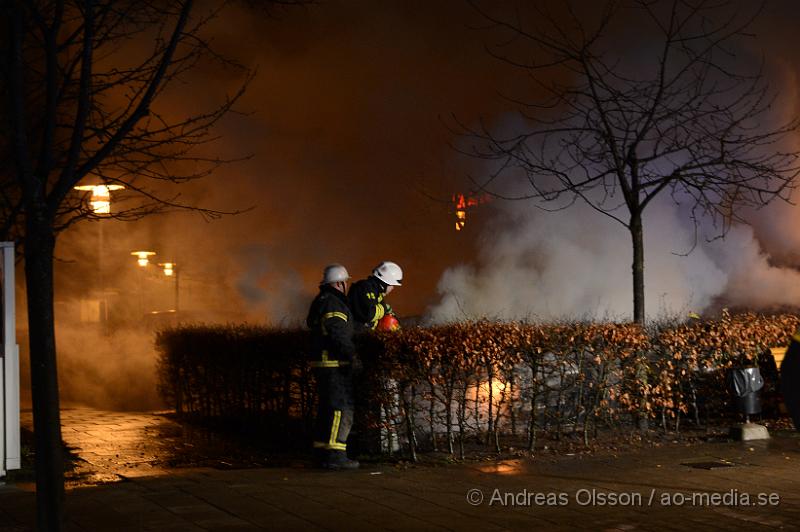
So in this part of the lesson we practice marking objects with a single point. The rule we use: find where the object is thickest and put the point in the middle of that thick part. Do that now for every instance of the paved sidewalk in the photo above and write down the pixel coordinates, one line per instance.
(573, 492)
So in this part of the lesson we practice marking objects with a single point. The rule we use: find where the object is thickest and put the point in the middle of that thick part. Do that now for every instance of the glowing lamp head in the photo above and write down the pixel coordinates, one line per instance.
(100, 201)
(169, 268)
(143, 257)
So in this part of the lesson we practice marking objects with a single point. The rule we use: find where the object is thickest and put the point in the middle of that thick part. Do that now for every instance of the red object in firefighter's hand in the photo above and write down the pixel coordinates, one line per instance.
(388, 323)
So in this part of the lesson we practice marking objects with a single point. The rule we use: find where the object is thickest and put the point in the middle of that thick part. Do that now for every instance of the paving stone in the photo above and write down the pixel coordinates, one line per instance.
(124, 446)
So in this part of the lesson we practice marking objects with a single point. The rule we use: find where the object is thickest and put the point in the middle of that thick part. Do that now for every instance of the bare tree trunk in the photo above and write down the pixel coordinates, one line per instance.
(560, 401)
(601, 380)
(448, 415)
(462, 418)
(579, 407)
(390, 429)
(534, 393)
(39, 248)
(641, 379)
(410, 422)
(478, 403)
(512, 412)
(637, 238)
(496, 431)
(694, 404)
(431, 417)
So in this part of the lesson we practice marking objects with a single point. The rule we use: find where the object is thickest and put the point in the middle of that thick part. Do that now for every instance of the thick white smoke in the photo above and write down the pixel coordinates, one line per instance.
(576, 263)
(277, 297)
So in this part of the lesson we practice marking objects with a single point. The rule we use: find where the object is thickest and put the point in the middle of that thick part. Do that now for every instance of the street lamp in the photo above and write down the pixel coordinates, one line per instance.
(100, 201)
(143, 257)
(171, 270)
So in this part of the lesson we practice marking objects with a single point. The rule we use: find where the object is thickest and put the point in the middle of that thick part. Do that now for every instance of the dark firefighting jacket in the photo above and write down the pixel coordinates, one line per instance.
(331, 324)
(366, 302)
(790, 377)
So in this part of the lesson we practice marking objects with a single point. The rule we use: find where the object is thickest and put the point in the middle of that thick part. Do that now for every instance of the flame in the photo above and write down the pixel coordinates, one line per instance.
(461, 219)
(497, 389)
(502, 396)
(462, 203)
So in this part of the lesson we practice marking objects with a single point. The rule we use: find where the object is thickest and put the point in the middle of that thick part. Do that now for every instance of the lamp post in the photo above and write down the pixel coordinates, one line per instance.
(171, 270)
(100, 205)
(142, 259)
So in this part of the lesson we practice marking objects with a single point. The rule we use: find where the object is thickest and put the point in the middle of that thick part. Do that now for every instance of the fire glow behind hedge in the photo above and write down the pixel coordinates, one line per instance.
(441, 387)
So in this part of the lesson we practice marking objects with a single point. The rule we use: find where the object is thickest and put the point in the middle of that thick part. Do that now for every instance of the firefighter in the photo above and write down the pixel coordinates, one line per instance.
(367, 296)
(333, 360)
(367, 302)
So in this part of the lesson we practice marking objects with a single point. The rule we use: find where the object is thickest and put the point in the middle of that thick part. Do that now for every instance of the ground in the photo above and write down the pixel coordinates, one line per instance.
(126, 479)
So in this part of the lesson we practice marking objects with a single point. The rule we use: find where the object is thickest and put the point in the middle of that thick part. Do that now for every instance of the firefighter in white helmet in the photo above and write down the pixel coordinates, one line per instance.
(333, 357)
(367, 296)
(368, 304)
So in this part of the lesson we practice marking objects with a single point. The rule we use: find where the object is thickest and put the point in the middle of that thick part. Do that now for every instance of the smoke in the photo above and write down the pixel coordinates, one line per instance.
(279, 297)
(107, 369)
(340, 135)
(249, 284)
(576, 263)
(108, 308)
(115, 371)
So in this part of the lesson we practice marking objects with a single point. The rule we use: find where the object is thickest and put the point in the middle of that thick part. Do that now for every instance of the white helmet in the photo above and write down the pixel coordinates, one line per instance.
(334, 273)
(389, 272)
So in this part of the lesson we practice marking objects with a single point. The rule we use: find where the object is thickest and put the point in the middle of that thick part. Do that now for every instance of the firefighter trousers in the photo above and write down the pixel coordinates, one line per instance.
(335, 408)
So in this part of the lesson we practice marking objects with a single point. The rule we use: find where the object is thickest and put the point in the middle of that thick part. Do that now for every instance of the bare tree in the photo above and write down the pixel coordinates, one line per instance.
(649, 98)
(80, 82)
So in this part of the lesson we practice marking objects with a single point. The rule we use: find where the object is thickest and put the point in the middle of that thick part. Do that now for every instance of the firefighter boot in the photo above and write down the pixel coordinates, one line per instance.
(338, 460)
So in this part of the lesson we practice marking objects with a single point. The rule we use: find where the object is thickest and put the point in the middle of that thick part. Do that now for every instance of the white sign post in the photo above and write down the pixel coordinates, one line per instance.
(9, 369)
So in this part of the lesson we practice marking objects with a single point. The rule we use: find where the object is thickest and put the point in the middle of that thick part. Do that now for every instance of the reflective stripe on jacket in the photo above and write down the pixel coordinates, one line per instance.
(331, 324)
(366, 301)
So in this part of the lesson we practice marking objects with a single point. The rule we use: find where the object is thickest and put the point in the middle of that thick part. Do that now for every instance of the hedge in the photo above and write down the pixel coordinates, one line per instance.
(245, 375)
(441, 387)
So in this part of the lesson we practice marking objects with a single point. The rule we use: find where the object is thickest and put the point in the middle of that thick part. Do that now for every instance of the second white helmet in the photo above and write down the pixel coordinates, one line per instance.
(389, 272)
(334, 273)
